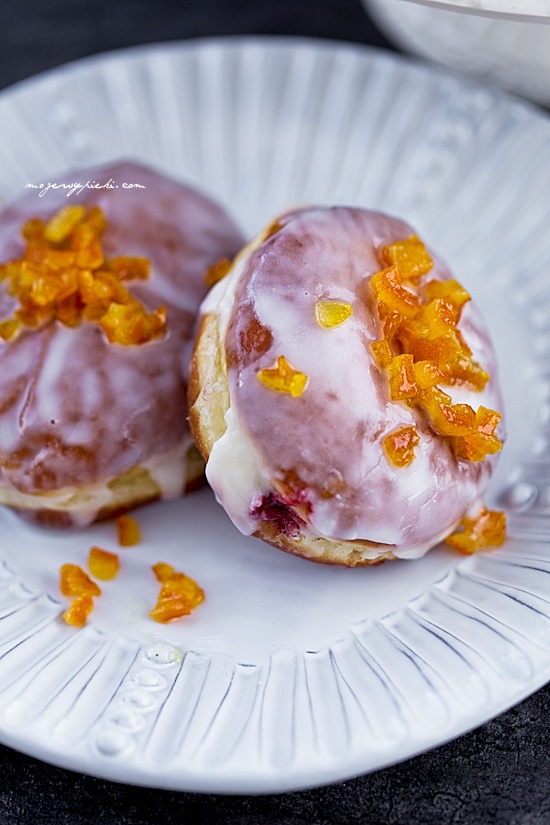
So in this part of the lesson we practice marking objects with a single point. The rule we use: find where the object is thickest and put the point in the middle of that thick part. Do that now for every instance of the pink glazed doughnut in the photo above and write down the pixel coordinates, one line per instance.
(324, 396)
(91, 427)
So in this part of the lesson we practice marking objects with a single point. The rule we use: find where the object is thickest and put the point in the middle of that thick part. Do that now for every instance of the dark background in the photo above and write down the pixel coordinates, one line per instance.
(497, 774)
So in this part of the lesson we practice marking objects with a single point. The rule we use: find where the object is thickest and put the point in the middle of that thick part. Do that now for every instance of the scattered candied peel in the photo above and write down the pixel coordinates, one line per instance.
(102, 564)
(217, 271)
(332, 313)
(128, 532)
(64, 275)
(179, 594)
(487, 529)
(284, 378)
(79, 610)
(422, 349)
(74, 581)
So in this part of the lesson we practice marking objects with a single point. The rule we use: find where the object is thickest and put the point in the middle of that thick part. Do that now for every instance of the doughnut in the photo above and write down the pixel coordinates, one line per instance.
(343, 391)
(99, 291)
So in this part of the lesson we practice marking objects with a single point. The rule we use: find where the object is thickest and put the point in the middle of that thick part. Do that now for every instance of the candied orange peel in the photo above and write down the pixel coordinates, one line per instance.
(399, 445)
(332, 313)
(284, 378)
(217, 271)
(74, 581)
(128, 532)
(486, 529)
(410, 256)
(78, 611)
(422, 348)
(64, 275)
(179, 594)
(103, 564)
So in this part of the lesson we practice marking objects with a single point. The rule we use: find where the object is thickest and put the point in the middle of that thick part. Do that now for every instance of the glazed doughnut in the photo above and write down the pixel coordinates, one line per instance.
(343, 391)
(98, 302)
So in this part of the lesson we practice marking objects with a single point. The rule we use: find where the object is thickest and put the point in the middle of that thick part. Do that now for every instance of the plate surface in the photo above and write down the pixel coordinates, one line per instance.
(293, 674)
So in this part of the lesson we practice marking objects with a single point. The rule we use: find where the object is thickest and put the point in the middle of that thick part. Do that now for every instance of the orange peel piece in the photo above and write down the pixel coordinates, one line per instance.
(179, 594)
(331, 314)
(63, 222)
(486, 529)
(78, 612)
(102, 564)
(163, 571)
(399, 445)
(410, 256)
(382, 352)
(402, 378)
(388, 288)
(284, 378)
(217, 271)
(451, 290)
(482, 440)
(74, 581)
(128, 532)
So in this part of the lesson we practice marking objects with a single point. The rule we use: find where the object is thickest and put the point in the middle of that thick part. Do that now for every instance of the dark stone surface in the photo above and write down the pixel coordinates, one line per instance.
(496, 775)
(39, 34)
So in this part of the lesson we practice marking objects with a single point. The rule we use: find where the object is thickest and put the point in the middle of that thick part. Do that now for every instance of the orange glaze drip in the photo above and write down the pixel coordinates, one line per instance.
(179, 594)
(422, 348)
(487, 529)
(283, 378)
(63, 275)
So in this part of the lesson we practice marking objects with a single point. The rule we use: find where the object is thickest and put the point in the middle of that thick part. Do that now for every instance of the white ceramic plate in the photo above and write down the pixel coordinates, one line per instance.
(293, 674)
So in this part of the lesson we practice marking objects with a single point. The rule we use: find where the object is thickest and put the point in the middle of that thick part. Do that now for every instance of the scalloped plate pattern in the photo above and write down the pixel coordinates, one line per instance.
(293, 674)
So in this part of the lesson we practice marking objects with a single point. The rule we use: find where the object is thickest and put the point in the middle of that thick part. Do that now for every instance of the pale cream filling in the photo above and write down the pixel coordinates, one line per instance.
(163, 476)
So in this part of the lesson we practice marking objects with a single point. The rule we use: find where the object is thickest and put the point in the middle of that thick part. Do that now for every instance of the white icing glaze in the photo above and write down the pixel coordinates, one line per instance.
(334, 430)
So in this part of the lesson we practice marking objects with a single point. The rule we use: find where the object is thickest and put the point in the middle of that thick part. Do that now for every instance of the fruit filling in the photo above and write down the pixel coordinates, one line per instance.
(270, 508)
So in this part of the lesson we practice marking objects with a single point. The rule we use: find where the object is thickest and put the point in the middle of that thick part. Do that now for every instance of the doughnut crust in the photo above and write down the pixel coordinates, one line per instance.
(89, 428)
(307, 471)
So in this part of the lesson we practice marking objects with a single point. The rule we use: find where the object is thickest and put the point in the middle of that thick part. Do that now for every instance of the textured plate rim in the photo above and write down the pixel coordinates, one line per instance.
(119, 775)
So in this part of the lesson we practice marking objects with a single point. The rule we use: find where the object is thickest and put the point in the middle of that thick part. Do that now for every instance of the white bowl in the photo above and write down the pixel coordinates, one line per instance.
(525, 10)
(507, 48)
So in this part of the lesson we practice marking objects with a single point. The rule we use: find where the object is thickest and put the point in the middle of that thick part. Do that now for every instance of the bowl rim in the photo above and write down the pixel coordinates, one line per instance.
(531, 10)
